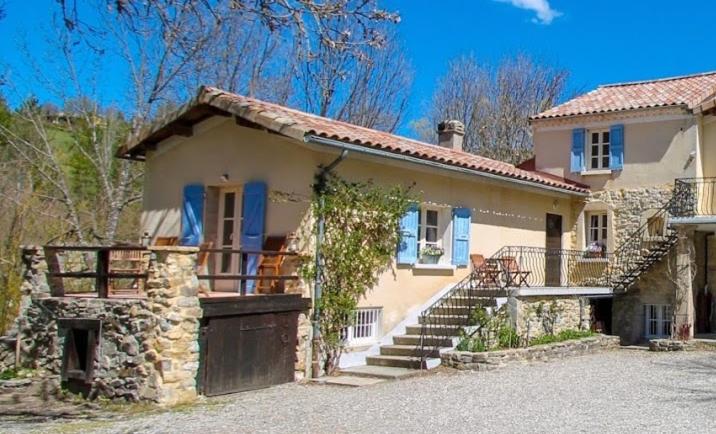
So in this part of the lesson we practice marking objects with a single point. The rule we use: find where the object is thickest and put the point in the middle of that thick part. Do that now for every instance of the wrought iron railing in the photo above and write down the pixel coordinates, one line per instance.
(521, 266)
(694, 197)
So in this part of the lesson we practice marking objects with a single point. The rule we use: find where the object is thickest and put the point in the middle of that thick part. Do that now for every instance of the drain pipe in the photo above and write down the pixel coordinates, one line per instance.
(319, 190)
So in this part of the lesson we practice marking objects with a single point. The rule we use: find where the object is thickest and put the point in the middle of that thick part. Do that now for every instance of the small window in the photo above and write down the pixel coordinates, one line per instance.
(657, 320)
(597, 228)
(429, 228)
(365, 329)
(599, 150)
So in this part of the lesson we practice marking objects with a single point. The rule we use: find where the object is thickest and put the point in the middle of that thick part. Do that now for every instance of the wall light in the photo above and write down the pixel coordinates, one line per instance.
(225, 177)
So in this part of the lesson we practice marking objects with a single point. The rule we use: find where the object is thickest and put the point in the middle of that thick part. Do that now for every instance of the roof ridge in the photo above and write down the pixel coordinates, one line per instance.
(348, 124)
(658, 80)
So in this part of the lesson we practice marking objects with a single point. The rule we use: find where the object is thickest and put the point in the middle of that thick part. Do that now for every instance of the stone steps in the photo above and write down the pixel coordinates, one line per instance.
(403, 362)
(408, 350)
(446, 319)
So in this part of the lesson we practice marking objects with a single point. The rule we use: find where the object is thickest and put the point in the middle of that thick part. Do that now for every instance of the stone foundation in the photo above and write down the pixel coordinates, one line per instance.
(535, 316)
(491, 360)
(147, 348)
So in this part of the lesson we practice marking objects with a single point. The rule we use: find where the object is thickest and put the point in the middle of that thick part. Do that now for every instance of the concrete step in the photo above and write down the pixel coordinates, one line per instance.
(452, 310)
(408, 350)
(446, 319)
(434, 341)
(381, 372)
(434, 329)
(402, 362)
(348, 380)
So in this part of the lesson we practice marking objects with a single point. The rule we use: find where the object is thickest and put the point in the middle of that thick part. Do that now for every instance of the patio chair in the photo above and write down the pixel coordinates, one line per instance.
(166, 241)
(270, 265)
(202, 265)
(515, 275)
(486, 272)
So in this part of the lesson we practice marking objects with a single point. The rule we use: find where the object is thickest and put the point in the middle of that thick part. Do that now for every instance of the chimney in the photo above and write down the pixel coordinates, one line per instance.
(450, 134)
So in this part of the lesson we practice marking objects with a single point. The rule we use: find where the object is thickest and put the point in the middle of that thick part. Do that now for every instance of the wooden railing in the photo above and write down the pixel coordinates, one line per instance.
(100, 270)
(262, 261)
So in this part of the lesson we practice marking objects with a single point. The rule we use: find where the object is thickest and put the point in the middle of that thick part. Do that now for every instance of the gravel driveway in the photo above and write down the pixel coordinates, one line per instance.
(618, 391)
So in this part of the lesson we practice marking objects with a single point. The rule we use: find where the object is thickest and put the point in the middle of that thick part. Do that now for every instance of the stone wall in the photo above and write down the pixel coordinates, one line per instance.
(535, 316)
(654, 287)
(490, 360)
(148, 348)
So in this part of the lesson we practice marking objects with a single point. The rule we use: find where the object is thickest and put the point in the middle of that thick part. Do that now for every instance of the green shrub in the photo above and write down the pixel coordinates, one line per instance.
(507, 337)
(564, 335)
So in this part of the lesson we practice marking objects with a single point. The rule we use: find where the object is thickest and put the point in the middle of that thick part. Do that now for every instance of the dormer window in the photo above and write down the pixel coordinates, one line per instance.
(599, 141)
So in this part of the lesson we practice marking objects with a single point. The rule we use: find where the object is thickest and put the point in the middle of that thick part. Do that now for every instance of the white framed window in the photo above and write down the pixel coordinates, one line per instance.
(657, 320)
(229, 227)
(365, 329)
(597, 228)
(598, 149)
(429, 228)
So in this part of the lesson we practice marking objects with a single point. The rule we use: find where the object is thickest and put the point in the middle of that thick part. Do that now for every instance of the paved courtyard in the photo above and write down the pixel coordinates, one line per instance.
(618, 391)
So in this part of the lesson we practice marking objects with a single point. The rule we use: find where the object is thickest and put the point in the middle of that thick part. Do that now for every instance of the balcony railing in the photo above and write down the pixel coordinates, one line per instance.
(694, 197)
(519, 266)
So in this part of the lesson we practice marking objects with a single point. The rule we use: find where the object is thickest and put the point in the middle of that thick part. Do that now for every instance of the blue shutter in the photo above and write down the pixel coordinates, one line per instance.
(577, 160)
(616, 147)
(192, 215)
(408, 244)
(252, 226)
(461, 219)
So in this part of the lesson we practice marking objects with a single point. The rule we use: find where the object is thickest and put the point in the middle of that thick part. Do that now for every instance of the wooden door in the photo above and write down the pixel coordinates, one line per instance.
(553, 255)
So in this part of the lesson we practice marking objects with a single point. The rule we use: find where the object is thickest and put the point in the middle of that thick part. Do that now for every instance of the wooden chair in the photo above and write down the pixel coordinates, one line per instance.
(126, 261)
(515, 275)
(486, 272)
(270, 265)
(166, 241)
(202, 265)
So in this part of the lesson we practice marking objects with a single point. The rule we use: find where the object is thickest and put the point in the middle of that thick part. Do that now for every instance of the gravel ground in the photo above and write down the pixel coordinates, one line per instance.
(618, 391)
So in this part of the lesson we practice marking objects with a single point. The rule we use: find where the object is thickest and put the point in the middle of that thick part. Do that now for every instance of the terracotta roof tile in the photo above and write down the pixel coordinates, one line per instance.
(687, 91)
(298, 125)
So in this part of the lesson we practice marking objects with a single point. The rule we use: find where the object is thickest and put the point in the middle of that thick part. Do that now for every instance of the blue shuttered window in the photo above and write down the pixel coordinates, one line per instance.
(616, 150)
(253, 226)
(577, 155)
(408, 244)
(192, 215)
(461, 219)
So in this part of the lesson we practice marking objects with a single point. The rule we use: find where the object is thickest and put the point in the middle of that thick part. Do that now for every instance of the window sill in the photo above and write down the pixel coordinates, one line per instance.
(605, 260)
(420, 266)
(596, 172)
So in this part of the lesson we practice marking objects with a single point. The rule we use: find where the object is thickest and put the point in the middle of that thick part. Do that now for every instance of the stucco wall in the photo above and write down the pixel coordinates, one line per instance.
(656, 150)
(708, 146)
(501, 215)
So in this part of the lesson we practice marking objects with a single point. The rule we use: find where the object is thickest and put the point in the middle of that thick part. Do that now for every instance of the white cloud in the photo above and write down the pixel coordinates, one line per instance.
(545, 13)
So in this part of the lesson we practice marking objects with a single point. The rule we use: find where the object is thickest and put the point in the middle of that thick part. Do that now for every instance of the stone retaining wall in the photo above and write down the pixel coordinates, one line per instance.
(534, 316)
(490, 360)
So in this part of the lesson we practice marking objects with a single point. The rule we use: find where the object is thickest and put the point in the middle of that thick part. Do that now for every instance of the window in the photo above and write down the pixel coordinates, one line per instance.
(599, 149)
(365, 329)
(657, 320)
(428, 228)
(597, 228)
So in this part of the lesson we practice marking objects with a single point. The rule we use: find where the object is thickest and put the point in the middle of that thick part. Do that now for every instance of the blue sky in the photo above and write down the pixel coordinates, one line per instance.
(600, 41)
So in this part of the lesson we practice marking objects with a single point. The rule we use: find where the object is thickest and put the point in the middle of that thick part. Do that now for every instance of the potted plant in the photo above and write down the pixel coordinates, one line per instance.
(431, 254)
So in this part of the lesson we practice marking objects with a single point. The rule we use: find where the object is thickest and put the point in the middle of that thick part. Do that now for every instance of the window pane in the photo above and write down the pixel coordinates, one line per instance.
(595, 137)
(595, 163)
(229, 200)
(605, 150)
(228, 232)
(595, 150)
(605, 161)
(605, 137)
(431, 235)
(594, 220)
(225, 262)
(431, 218)
(604, 220)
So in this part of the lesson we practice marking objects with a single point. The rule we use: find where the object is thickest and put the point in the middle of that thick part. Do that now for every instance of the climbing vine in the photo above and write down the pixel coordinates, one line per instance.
(361, 232)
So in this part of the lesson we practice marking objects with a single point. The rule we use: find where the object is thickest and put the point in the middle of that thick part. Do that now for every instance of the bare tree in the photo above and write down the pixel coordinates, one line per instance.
(371, 90)
(494, 103)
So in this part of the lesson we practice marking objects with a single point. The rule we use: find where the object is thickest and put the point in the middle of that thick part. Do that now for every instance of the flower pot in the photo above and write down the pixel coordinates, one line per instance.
(430, 259)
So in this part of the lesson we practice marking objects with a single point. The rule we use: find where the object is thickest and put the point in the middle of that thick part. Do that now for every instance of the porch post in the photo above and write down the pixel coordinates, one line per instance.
(684, 313)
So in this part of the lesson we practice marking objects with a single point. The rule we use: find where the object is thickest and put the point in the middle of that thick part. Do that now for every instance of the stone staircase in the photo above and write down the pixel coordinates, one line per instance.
(438, 330)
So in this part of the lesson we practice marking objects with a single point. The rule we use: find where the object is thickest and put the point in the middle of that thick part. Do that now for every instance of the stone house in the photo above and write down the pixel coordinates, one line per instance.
(608, 227)
(647, 152)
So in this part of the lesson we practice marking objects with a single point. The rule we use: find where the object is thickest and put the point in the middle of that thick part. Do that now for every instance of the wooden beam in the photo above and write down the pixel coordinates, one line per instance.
(181, 129)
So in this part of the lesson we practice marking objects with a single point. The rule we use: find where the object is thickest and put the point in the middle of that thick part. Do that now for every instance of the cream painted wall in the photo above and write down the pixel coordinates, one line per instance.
(708, 146)
(656, 151)
(502, 214)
